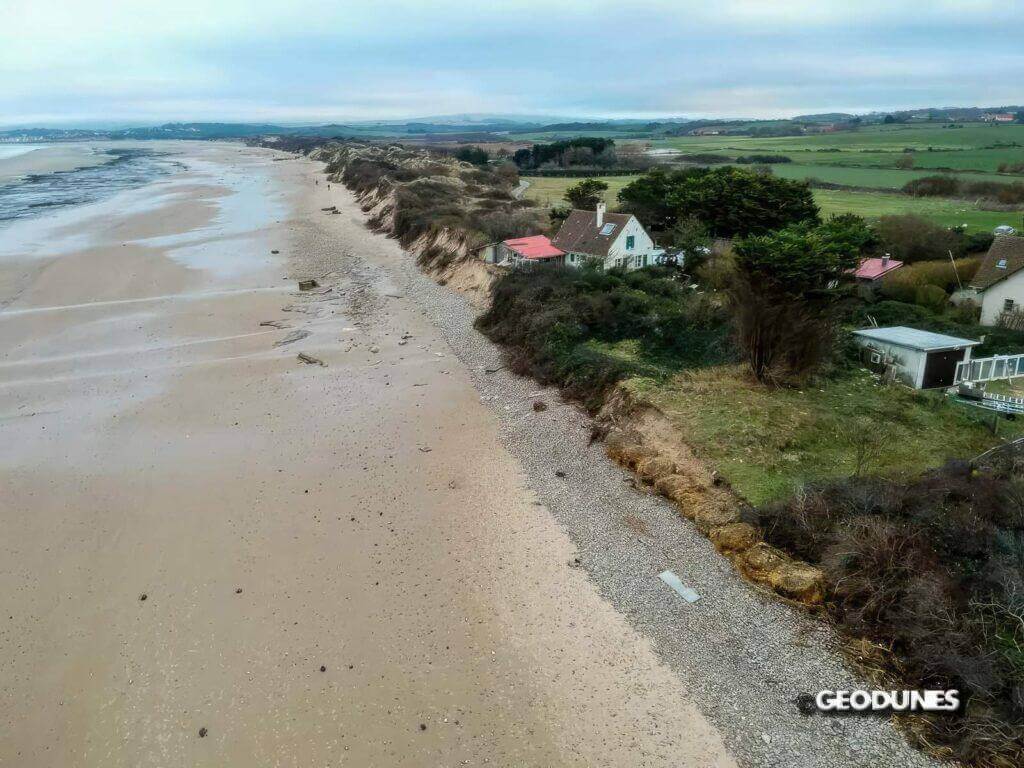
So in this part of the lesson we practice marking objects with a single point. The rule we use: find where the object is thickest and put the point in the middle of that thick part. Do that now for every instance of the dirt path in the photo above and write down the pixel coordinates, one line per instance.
(360, 517)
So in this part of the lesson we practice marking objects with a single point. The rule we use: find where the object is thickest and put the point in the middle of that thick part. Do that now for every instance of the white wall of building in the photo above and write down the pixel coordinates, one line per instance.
(993, 299)
(631, 258)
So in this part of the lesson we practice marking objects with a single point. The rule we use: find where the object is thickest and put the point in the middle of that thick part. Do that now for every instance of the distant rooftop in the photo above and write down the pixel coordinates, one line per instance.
(872, 269)
(912, 338)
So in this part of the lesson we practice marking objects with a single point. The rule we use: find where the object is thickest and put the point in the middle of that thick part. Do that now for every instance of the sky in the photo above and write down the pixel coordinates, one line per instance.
(68, 62)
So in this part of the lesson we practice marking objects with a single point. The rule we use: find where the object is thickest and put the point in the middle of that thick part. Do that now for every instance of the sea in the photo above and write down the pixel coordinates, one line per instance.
(38, 194)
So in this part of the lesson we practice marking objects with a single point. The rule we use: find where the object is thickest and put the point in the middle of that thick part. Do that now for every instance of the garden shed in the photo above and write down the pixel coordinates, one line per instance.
(921, 359)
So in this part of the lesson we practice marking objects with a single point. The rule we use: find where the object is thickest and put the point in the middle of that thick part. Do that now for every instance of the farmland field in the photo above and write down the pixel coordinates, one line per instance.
(548, 191)
(866, 160)
(869, 204)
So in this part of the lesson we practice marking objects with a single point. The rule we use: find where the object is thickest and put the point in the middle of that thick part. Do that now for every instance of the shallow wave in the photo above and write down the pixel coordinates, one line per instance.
(38, 194)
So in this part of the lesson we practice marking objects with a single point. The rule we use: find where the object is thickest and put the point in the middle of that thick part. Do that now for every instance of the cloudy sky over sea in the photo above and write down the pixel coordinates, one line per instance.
(79, 61)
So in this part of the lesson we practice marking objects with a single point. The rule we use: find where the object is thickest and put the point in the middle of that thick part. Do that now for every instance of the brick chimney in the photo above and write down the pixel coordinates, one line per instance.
(600, 215)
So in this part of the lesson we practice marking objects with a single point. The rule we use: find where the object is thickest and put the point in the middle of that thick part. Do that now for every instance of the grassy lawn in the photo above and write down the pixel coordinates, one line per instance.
(767, 442)
(946, 212)
(548, 191)
(876, 178)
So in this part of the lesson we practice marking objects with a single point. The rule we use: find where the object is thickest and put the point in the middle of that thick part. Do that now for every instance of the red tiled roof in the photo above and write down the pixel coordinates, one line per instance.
(536, 247)
(872, 269)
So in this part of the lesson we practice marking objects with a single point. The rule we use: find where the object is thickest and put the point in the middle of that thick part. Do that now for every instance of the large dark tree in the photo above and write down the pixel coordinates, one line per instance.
(586, 194)
(785, 291)
(729, 201)
(735, 202)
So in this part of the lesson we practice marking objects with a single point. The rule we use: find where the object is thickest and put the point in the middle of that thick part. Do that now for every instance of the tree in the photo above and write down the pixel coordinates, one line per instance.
(785, 292)
(738, 202)
(586, 195)
(691, 237)
(473, 155)
(1020, 116)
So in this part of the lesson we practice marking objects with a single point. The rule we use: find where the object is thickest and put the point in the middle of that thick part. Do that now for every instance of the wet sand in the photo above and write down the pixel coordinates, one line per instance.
(50, 158)
(361, 516)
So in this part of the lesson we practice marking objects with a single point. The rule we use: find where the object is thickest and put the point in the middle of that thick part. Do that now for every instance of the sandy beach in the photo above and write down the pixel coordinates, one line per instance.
(336, 564)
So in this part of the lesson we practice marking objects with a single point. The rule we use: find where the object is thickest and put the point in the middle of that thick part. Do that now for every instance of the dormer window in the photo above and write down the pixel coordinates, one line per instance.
(607, 229)
(1001, 264)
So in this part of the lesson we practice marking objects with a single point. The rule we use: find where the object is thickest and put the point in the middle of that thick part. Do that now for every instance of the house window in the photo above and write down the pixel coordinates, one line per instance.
(1008, 305)
(630, 242)
(1001, 264)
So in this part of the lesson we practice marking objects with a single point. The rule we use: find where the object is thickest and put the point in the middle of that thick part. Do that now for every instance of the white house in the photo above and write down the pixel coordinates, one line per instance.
(612, 239)
(998, 284)
(920, 359)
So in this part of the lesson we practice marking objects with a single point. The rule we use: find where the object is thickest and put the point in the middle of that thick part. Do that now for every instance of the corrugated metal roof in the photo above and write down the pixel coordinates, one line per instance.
(913, 338)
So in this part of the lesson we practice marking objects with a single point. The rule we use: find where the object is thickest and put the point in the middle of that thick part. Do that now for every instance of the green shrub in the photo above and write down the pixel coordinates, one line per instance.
(932, 569)
(559, 326)
(931, 296)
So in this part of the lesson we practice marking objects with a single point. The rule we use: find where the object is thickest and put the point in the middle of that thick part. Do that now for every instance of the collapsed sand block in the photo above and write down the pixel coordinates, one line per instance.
(732, 538)
(308, 285)
(713, 512)
(654, 467)
(796, 580)
(675, 486)
(801, 582)
(759, 561)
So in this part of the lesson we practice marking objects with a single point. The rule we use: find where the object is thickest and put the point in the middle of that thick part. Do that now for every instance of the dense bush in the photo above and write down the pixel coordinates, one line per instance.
(953, 186)
(912, 238)
(902, 284)
(474, 155)
(581, 151)
(763, 159)
(554, 320)
(932, 569)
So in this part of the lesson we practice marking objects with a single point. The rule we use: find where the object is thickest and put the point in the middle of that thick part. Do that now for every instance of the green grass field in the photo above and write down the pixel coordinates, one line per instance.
(549, 191)
(768, 442)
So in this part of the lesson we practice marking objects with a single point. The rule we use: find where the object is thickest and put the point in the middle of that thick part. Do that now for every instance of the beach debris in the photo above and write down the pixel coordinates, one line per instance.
(423, 726)
(330, 208)
(275, 252)
(292, 337)
(374, 349)
(323, 668)
(274, 324)
(539, 405)
(494, 370)
(575, 563)
(143, 597)
(684, 591)
(402, 342)
(426, 449)
(335, 211)
(203, 732)
(310, 360)
(238, 590)
(559, 473)
(308, 285)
